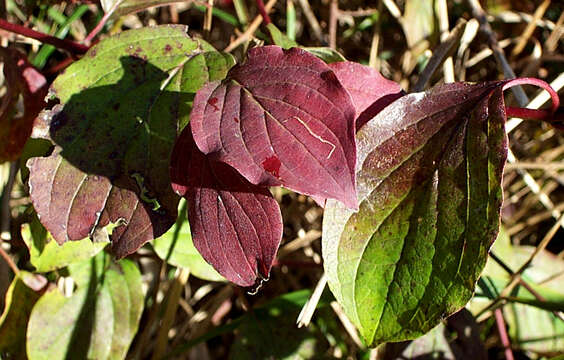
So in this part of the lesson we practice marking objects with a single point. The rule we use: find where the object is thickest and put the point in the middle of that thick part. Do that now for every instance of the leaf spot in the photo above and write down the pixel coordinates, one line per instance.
(272, 166)
(236, 119)
(212, 102)
(167, 48)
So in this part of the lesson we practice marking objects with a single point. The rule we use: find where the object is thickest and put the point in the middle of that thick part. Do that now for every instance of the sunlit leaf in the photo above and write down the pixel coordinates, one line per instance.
(429, 184)
(124, 7)
(98, 321)
(531, 322)
(46, 255)
(281, 118)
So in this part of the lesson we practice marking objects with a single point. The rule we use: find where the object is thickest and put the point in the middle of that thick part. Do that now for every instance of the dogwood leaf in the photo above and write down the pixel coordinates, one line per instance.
(429, 185)
(236, 226)
(281, 118)
(177, 248)
(121, 107)
(98, 321)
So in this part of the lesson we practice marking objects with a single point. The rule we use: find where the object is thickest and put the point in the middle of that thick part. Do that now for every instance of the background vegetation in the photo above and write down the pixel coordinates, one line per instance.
(517, 311)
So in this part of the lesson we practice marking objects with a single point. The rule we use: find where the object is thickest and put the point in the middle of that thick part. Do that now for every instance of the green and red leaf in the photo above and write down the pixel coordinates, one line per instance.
(429, 171)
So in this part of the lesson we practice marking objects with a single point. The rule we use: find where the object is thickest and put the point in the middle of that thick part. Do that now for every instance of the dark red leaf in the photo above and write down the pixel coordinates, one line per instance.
(281, 118)
(235, 225)
(370, 91)
(21, 78)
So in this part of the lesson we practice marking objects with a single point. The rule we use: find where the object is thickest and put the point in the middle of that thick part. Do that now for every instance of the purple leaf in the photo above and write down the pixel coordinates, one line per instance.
(370, 91)
(281, 118)
(74, 205)
(236, 226)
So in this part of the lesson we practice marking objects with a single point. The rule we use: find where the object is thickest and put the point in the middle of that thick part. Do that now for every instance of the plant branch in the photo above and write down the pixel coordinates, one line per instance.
(250, 30)
(523, 283)
(9, 261)
(503, 333)
(208, 17)
(71, 46)
(333, 16)
(5, 213)
(102, 22)
(500, 58)
(169, 311)
(440, 54)
(263, 12)
(312, 20)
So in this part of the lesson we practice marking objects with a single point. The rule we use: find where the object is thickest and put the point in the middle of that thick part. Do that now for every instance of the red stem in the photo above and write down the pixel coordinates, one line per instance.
(539, 83)
(71, 46)
(101, 24)
(9, 261)
(550, 116)
(503, 333)
(263, 13)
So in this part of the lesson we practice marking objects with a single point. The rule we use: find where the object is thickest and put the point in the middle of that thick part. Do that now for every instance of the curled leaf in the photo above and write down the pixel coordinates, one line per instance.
(281, 118)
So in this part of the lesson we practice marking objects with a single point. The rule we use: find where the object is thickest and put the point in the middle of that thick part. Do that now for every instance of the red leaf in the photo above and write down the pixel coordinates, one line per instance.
(281, 118)
(21, 79)
(370, 91)
(236, 226)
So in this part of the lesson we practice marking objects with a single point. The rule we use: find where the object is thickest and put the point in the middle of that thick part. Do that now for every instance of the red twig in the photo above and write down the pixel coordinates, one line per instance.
(71, 46)
(503, 333)
(101, 24)
(9, 261)
(58, 67)
(263, 12)
(333, 16)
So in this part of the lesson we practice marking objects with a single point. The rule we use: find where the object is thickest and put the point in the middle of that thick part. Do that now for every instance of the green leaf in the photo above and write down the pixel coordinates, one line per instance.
(534, 329)
(98, 321)
(19, 301)
(46, 255)
(176, 248)
(279, 38)
(324, 53)
(429, 184)
(121, 107)
(78, 327)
